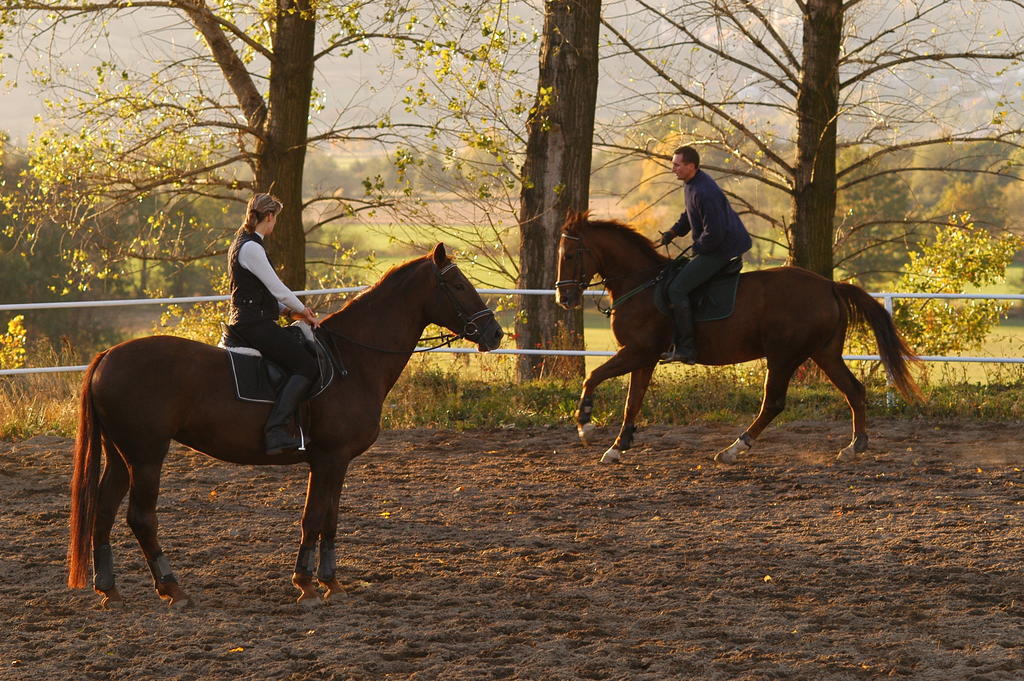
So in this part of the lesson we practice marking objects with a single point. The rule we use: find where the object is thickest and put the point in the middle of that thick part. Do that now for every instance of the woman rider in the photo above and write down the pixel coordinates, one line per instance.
(258, 298)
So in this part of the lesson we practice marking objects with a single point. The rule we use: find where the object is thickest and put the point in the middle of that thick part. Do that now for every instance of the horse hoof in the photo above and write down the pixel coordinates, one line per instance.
(611, 456)
(111, 603)
(858, 445)
(310, 601)
(174, 595)
(729, 454)
(847, 451)
(586, 432)
(333, 588)
(177, 601)
(726, 456)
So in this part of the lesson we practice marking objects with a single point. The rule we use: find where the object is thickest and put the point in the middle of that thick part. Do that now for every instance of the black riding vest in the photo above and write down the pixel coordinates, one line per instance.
(251, 301)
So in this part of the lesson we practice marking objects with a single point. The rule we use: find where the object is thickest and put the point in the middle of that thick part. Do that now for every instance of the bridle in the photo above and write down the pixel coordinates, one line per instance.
(469, 320)
(581, 251)
(470, 327)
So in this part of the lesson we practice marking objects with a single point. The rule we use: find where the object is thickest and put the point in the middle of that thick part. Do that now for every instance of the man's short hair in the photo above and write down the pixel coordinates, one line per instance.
(689, 155)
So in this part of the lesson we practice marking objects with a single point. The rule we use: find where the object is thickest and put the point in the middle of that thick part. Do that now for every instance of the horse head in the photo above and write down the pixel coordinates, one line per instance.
(458, 307)
(576, 264)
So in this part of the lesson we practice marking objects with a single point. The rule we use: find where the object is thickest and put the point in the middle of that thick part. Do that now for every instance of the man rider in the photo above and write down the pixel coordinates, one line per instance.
(718, 237)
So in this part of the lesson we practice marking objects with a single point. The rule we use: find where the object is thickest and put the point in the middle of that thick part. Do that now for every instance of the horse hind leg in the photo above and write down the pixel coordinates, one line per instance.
(584, 428)
(773, 402)
(112, 488)
(143, 493)
(835, 368)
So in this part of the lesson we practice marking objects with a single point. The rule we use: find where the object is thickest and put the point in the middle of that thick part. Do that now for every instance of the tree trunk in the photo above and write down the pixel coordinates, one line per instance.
(282, 154)
(813, 230)
(556, 177)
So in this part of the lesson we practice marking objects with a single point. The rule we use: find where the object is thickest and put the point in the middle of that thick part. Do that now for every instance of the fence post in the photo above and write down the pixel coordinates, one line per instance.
(890, 395)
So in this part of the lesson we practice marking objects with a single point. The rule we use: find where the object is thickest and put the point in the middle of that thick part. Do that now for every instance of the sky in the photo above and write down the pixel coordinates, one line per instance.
(346, 81)
(76, 52)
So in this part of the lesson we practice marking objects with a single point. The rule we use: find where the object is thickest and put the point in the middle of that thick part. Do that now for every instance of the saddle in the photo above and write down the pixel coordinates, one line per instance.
(258, 379)
(712, 300)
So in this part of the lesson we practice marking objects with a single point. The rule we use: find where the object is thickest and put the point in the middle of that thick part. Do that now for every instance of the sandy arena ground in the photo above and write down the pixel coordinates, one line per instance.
(513, 555)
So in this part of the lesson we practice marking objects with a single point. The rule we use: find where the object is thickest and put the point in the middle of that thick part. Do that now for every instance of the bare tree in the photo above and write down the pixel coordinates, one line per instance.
(556, 170)
(772, 90)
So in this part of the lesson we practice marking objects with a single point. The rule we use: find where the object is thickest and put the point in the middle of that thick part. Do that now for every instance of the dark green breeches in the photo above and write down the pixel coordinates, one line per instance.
(694, 273)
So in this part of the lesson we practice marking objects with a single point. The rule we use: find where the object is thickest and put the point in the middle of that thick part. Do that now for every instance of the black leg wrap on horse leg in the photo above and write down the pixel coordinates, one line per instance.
(305, 564)
(161, 569)
(586, 406)
(625, 439)
(103, 568)
(860, 442)
(325, 571)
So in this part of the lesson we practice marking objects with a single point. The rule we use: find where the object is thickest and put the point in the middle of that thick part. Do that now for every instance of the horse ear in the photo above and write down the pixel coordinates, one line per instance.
(573, 218)
(439, 255)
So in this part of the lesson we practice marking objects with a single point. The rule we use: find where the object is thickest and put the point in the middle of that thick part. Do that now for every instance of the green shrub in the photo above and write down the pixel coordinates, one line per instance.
(12, 344)
(961, 256)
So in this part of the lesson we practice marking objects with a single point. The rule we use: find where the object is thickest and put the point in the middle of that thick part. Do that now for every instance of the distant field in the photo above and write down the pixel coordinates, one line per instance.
(1007, 340)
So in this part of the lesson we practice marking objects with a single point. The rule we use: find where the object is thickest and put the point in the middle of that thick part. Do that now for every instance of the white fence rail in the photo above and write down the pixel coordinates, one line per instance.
(886, 298)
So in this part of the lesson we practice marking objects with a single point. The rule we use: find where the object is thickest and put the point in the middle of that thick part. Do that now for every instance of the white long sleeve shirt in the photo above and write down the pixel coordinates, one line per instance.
(252, 257)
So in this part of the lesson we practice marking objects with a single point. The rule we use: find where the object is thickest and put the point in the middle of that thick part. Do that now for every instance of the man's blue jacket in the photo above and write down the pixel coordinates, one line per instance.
(717, 229)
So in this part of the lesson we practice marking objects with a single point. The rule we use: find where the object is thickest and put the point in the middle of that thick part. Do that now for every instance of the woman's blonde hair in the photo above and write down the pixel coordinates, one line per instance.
(259, 207)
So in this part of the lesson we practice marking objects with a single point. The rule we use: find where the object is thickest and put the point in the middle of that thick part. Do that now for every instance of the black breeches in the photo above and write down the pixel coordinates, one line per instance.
(279, 347)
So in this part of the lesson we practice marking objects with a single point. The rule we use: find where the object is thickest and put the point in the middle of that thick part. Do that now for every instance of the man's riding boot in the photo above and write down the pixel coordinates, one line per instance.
(683, 349)
(278, 439)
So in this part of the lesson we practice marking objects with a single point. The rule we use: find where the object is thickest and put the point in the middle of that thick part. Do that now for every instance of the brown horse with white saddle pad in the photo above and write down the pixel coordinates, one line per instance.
(140, 395)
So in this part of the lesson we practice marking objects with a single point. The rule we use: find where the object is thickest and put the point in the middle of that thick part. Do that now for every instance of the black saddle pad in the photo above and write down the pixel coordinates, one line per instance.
(258, 379)
(714, 299)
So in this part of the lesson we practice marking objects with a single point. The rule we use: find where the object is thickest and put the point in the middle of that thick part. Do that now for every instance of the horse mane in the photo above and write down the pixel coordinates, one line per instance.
(395, 275)
(628, 233)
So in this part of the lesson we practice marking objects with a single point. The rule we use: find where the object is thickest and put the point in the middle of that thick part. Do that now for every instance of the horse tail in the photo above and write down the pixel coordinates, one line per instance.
(84, 482)
(894, 351)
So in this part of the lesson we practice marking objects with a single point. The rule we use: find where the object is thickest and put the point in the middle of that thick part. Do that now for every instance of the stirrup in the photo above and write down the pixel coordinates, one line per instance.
(673, 355)
(283, 444)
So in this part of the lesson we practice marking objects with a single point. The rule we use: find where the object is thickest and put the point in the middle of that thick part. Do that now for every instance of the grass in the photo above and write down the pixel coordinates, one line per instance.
(469, 392)
(39, 404)
(474, 391)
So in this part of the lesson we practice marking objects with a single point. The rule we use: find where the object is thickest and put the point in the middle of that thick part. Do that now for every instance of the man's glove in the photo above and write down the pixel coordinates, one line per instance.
(666, 238)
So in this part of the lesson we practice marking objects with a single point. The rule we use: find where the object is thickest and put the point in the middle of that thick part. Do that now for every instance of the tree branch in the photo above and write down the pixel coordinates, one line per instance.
(231, 65)
(739, 125)
(958, 139)
(937, 58)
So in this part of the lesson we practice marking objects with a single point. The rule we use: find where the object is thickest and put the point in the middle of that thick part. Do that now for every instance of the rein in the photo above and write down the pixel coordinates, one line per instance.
(469, 323)
(607, 311)
(445, 338)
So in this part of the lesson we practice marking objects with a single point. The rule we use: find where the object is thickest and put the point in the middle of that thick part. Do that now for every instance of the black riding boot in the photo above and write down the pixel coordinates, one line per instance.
(682, 349)
(278, 439)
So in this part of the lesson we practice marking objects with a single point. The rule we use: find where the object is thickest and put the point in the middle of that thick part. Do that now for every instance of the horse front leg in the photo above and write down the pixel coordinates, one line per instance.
(639, 380)
(625, 360)
(326, 572)
(323, 491)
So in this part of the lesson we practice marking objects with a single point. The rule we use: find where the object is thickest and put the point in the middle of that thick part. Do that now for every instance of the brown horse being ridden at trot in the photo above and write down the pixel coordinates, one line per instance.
(785, 315)
(140, 395)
